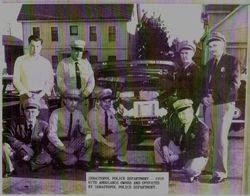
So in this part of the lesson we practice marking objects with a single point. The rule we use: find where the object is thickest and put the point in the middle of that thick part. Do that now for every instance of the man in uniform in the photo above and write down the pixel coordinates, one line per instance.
(24, 139)
(185, 145)
(76, 72)
(188, 80)
(220, 93)
(33, 76)
(69, 134)
(110, 138)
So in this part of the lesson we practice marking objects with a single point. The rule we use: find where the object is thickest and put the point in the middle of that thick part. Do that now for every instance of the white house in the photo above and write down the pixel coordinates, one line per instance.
(104, 27)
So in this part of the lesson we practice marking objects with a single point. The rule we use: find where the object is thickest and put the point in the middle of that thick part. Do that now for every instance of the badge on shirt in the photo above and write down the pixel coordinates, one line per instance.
(222, 70)
(192, 135)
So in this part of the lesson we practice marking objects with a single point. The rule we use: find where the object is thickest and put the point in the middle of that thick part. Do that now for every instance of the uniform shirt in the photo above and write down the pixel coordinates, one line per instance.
(66, 75)
(17, 133)
(59, 124)
(222, 80)
(96, 120)
(33, 74)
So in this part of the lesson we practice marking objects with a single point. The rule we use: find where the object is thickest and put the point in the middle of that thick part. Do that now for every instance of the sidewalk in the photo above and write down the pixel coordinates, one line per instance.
(73, 181)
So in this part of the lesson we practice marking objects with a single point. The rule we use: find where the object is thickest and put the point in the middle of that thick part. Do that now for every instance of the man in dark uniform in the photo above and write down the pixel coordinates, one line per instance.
(220, 93)
(188, 75)
(24, 139)
(110, 138)
(185, 145)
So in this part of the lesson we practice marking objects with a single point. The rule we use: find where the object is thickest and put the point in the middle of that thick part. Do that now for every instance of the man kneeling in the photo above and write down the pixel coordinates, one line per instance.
(69, 134)
(187, 144)
(24, 139)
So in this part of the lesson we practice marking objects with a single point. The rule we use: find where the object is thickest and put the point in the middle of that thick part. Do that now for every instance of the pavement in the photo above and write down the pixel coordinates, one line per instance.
(74, 181)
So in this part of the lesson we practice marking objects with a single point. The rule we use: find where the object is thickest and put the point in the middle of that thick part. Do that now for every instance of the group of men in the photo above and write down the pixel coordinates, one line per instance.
(65, 137)
(72, 138)
(185, 143)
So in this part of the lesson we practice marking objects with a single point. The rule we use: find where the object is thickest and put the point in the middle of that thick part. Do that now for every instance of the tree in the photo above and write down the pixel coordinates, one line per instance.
(152, 39)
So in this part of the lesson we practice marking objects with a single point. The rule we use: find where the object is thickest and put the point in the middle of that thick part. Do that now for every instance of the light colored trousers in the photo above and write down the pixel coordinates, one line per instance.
(120, 139)
(82, 151)
(219, 118)
(41, 160)
(192, 167)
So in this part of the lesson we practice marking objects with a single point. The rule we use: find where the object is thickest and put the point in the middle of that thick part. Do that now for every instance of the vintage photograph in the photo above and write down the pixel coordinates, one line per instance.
(93, 89)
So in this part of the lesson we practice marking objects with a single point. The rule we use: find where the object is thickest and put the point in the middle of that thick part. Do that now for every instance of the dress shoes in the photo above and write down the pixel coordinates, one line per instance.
(217, 179)
(84, 165)
(119, 163)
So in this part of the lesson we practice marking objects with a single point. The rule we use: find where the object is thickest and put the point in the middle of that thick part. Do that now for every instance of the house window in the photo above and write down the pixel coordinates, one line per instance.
(92, 33)
(111, 33)
(54, 34)
(93, 59)
(54, 59)
(73, 30)
(111, 58)
(36, 31)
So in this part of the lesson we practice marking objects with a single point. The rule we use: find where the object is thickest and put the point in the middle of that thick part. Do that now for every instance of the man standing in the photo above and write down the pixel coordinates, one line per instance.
(188, 80)
(33, 76)
(76, 72)
(110, 138)
(220, 94)
(24, 139)
(185, 145)
(69, 133)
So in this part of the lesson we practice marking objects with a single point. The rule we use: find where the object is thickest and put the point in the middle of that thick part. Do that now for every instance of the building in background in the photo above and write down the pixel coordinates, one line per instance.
(13, 48)
(104, 27)
(232, 21)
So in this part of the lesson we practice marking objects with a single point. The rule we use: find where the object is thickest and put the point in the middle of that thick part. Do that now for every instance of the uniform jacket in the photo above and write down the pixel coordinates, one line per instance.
(193, 144)
(222, 80)
(16, 134)
(189, 83)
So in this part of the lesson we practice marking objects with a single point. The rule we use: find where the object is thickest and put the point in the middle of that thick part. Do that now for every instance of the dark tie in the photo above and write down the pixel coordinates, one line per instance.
(78, 77)
(106, 124)
(70, 125)
(30, 130)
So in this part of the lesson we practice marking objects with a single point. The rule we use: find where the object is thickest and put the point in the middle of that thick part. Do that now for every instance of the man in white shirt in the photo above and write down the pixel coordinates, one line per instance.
(33, 76)
(110, 138)
(69, 133)
(76, 72)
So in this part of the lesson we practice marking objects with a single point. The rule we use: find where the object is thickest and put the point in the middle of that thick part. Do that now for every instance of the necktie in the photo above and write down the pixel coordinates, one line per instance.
(106, 124)
(30, 130)
(78, 77)
(70, 125)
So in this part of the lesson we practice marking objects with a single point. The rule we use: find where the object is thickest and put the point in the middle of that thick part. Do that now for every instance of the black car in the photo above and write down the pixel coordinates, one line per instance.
(141, 89)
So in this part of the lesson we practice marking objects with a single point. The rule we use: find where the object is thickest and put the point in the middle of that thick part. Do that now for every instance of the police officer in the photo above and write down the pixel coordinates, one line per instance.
(69, 134)
(110, 138)
(185, 145)
(220, 93)
(76, 72)
(24, 139)
(188, 75)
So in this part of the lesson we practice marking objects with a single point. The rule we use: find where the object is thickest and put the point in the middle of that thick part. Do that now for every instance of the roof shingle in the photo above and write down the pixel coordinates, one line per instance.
(76, 12)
